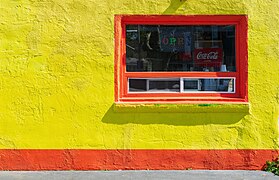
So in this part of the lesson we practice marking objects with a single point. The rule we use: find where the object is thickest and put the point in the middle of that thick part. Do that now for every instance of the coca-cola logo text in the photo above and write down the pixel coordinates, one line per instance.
(209, 55)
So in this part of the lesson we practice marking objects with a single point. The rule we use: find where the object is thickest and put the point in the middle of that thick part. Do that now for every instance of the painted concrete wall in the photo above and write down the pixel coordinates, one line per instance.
(57, 81)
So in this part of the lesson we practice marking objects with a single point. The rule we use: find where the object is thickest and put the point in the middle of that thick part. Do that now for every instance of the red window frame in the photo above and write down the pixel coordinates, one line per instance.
(241, 74)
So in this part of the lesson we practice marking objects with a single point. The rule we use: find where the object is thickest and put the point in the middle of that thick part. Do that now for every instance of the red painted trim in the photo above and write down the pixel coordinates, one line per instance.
(134, 159)
(241, 94)
(117, 56)
(243, 54)
(182, 74)
(183, 100)
(181, 20)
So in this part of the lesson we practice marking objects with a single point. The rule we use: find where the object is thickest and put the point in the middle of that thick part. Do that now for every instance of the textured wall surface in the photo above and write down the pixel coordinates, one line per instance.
(57, 80)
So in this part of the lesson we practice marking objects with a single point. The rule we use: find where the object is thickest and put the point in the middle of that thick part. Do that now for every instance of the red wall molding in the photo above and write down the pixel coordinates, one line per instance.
(134, 159)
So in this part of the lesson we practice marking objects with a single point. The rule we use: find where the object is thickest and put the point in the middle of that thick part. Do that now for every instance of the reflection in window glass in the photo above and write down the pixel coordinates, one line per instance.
(209, 85)
(154, 85)
(182, 85)
(164, 85)
(137, 85)
(191, 85)
(180, 48)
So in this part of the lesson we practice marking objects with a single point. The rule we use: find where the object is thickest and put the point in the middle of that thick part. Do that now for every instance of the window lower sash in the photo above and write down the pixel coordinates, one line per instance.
(184, 85)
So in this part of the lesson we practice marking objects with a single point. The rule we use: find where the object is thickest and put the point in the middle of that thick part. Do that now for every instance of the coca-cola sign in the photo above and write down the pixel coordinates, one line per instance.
(208, 56)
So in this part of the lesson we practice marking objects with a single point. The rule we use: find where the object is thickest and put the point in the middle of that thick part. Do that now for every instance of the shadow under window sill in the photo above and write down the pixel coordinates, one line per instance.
(182, 108)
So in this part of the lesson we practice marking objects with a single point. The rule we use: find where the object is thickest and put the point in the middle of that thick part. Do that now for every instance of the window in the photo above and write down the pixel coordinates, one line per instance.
(181, 59)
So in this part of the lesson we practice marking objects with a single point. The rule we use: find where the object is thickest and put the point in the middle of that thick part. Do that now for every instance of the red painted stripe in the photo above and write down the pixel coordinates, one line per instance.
(134, 159)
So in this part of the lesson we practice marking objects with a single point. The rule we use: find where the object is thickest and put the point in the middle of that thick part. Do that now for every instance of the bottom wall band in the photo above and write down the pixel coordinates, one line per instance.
(73, 159)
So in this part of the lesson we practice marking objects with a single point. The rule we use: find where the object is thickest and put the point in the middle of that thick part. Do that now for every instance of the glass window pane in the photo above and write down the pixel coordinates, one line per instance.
(180, 48)
(165, 85)
(189, 85)
(137, 85)
(209, 85)
(154, 85)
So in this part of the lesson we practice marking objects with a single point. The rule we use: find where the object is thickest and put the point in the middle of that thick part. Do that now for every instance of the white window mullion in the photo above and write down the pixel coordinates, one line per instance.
(147, 84)
(181, 85)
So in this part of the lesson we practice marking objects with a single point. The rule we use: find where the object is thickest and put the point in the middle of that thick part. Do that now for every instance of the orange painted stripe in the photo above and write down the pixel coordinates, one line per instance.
(134, 159)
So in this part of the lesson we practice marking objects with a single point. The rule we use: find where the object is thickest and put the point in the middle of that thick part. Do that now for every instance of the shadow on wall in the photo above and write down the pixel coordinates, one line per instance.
(176, 119)
(174, 5)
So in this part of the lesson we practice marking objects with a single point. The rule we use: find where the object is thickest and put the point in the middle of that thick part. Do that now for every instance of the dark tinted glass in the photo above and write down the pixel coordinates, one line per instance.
(209, 84)
(180, 48)
(154, 85)
(183, 85)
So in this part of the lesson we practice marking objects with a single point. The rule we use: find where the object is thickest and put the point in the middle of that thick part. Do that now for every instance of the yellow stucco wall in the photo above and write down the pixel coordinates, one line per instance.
(57, 80)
